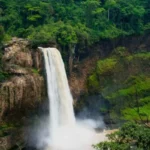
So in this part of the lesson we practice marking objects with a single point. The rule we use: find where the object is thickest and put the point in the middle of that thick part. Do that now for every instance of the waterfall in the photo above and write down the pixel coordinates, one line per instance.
(63, 131)
(59, 96)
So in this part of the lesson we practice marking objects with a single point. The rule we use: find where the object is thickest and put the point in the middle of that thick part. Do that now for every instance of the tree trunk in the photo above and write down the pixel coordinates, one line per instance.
(71, 55)
(108, 14)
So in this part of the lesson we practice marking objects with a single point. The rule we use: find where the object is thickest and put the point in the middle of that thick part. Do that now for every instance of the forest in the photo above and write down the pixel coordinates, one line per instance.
(73, 22)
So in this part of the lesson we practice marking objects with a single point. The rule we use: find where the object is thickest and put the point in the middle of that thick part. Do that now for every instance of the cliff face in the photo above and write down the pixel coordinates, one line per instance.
(117, 74)
(101, 50)
(25, 88)
(78, 78)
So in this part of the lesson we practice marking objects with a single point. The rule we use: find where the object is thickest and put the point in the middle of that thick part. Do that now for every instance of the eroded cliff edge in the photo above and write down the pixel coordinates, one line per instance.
(24, 87)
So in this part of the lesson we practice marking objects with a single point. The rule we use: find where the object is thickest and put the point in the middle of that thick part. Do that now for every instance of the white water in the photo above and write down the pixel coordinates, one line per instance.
(65, 132)
(60, 99)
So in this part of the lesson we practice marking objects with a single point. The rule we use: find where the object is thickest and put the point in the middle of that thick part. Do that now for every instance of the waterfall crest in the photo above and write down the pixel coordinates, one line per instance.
(60, 99)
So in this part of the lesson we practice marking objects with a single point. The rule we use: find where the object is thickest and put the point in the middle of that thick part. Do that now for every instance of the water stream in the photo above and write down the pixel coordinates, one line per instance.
(65, 132)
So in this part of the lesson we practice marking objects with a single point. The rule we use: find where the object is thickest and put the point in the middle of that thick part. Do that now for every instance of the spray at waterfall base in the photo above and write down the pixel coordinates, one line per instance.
(81, 136)
(62, 131)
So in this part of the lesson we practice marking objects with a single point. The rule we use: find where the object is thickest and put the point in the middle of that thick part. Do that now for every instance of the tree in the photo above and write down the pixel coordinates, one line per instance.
(109, 4)
(105, 19)
(90, 7)
(67, 38)
(131, 136)
(1, 33)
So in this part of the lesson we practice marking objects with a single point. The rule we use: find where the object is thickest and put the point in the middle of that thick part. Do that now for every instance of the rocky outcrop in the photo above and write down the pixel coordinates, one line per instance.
(25, 87)
(17, 57)
(21, 93)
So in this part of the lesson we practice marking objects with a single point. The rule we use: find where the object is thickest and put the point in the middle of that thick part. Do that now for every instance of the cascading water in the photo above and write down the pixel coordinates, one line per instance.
(60, 99)
(65, 132)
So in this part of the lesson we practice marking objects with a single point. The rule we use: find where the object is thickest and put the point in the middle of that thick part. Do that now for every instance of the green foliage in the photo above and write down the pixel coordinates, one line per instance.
(6, 128)
(139, 114)
(147, 26)
(1, 33)
(6, 38)
(120, 52)
(93, 83)
(111, 32)
(112, 145)
(139, 85)
(3, 75)
(79, 22)
(106, 66)
(35, 71)
(124, 83)
(139, 57)
(43, 34)
(66, 35)
(84, 38)
(145, 100)
(130, 136)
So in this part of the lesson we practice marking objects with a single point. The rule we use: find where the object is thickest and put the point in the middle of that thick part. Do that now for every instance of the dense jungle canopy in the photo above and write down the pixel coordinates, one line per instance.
(70, 22)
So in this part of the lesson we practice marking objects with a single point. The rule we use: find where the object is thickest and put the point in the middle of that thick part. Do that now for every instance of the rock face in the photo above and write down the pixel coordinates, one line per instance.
(78, 79)
(21, 93)
(25, 88)
(12, 141)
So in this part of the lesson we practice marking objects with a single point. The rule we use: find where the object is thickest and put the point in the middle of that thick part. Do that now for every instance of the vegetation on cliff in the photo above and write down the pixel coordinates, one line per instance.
(123, 80)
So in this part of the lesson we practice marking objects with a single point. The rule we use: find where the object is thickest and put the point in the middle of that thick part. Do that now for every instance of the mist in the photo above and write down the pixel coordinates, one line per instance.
(81, 136)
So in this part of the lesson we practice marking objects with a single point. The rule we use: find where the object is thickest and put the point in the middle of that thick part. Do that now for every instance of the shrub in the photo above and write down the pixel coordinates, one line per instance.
(106, 66)
(93, 83)
(131, 136)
